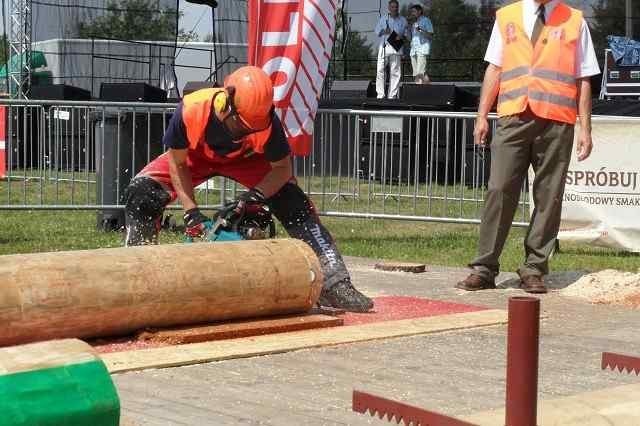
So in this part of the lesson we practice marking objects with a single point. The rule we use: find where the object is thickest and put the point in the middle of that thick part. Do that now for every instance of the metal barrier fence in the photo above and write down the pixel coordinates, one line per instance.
(406, 165)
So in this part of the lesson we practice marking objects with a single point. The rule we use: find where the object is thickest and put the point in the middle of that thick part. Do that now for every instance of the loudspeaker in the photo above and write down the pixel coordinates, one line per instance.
(131, 92)
(193, 86)
(24, 147)
(468, 95)
(64, 143)
(437, 96)
(60, 92)
(349, 89)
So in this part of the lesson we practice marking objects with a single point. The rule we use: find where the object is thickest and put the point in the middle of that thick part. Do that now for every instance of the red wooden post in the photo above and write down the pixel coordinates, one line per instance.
(522, 361)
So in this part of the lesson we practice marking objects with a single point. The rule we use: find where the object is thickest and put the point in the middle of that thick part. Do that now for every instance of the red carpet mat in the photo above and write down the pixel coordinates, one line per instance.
(387, 308)
(390, 308)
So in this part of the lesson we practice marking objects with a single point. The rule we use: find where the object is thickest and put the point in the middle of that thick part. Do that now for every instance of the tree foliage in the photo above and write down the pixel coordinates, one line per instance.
(461, 33)
(352, 56)
(133, 20)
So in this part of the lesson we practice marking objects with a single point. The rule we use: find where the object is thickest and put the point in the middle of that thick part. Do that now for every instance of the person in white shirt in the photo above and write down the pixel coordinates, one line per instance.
(387, 54)
(541, 58)
(421, 36)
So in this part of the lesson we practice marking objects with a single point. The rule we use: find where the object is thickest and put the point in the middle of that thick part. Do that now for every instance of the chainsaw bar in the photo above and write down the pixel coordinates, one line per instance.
(364, 402)
(620, 362)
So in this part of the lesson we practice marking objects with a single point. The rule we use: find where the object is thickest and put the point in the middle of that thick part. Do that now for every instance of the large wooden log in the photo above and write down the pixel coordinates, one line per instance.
(105, 292)
(60, 382)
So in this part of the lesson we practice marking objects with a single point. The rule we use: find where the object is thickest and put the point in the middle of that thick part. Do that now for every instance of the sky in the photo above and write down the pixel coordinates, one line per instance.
(196, 17)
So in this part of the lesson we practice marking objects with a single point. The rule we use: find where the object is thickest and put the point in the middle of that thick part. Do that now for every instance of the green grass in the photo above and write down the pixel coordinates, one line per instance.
(26, 231)
(436, 244)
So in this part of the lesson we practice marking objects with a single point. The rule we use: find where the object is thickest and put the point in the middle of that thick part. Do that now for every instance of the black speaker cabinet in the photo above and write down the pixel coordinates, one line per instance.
(435, 96)
(193, 86)
(60, 92)
(131, 92)
(63, 142)
(349, 89)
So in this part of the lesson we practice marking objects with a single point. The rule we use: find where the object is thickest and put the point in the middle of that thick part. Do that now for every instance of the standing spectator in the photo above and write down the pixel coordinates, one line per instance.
(421, 35)
(387, 54)
(541, 58)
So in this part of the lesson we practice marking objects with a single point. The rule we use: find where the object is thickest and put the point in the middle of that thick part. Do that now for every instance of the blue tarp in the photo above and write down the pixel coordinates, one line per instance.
(624, 50)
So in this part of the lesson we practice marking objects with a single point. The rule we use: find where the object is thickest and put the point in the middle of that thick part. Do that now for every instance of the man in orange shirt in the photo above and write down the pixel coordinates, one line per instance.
(234, 132)
(540, 59)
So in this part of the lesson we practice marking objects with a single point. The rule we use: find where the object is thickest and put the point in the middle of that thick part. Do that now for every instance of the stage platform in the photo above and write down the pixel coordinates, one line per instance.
(444, 96)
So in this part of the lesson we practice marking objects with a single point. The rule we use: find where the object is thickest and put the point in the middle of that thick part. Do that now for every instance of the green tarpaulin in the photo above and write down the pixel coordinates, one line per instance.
(37, 60)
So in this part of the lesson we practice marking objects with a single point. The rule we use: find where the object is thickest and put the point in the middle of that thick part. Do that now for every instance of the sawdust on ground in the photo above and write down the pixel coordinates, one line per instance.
(607, 287)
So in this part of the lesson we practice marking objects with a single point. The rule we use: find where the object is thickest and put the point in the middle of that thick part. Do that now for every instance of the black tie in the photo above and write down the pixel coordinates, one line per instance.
(537, 28)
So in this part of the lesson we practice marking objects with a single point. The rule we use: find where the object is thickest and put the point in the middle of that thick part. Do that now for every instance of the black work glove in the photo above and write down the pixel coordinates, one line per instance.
(252, 196)
(196, 224)
(235, 211)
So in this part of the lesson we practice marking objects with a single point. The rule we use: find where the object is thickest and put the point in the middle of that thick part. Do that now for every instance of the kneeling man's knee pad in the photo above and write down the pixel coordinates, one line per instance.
(145, 199)
(291, 206)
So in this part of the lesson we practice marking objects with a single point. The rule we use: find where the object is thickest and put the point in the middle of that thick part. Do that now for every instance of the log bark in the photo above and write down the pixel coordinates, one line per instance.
(105, 292)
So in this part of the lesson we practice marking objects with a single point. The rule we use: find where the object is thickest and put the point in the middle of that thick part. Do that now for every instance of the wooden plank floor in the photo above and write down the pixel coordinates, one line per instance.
(196, 353)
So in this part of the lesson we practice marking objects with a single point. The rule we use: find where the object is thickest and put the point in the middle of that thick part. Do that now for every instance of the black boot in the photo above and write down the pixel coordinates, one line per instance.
(344, 295)
(296, 213)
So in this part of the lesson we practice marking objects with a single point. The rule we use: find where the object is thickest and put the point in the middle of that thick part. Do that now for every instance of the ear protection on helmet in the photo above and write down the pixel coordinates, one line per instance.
(223, 100)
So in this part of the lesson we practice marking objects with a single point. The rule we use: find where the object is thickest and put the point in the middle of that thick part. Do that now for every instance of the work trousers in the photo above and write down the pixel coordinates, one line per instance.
(395, 71)
(520, 141)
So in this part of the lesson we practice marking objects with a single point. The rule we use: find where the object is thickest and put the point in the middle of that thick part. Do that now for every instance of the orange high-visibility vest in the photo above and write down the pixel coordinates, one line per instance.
(541, 76)
(197, 107)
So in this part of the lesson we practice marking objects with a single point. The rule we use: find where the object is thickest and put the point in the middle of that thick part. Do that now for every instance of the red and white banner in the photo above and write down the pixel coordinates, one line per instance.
(291, 40)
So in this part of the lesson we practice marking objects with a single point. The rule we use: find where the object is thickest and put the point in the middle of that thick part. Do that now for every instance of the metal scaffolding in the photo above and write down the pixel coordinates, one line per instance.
(19, 48)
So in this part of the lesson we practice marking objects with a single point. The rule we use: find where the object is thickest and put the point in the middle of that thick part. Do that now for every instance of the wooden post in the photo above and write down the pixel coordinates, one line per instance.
(90, 293)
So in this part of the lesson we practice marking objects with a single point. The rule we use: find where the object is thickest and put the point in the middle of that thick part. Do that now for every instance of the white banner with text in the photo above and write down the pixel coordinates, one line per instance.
(601, 204)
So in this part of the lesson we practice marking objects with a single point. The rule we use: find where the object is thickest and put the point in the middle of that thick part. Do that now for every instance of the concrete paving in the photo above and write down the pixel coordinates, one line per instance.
(455, 373)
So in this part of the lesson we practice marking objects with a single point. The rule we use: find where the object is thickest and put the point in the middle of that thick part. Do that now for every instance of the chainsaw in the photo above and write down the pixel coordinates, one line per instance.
(256, 223)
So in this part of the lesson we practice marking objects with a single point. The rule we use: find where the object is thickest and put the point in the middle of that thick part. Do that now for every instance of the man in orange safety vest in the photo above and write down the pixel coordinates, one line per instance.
(541, 58)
